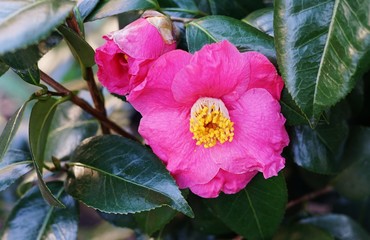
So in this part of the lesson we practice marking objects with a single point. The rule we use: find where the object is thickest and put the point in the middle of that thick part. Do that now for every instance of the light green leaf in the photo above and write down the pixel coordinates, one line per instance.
(262, 19)
(16, 163)
(213, 29)
(256, 211)
(32, 218)
(106, 8)
(10, 129)
(340, 226)
(126, 175)
(322, 48)
(17, 15)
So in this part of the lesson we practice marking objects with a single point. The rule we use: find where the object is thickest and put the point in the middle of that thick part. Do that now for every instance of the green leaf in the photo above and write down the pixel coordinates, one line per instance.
(217, 28)
(17, 15)
(69, 127)
(10, 129)
(16, 163)
(3, 68)
(262, 19)
(127, 176)
(154, 220)
(235, 8)
(30, 75)
(327, 139)
(302, 232)
(353, 182)
(256, 211)
(340, 226)
(290, 110)
(32, 218)
(81, 50)
(40, 120)
(106, 8)
(321, 61)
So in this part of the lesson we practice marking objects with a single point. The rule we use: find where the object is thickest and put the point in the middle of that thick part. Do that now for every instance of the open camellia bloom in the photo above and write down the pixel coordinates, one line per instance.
(124, 60)
(213, 117)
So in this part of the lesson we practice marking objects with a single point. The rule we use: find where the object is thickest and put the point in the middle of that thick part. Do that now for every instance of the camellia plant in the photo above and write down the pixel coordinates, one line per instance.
(245, 119)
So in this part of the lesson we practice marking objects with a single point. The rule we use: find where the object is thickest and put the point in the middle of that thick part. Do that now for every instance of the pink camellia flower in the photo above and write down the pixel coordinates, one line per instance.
(124, 60)
(213, 117)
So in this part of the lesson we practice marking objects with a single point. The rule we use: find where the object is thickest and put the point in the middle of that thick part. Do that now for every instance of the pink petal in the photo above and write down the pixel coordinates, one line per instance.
(112, 68)
(154, 93)
(167, 132)
(263, 74)
(259, 139)
(226, 182)
(141, 40)
(215, 71)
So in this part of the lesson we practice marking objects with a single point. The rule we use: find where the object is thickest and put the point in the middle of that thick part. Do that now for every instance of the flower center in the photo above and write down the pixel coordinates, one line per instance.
(210, 122)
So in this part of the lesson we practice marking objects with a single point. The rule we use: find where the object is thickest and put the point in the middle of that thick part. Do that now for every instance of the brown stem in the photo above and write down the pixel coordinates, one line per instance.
(97, 97)
(85, 106)
(309, 196)
(180, 19)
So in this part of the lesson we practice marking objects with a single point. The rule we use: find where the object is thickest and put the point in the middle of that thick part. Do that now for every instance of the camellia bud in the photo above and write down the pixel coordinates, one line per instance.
(124, 60)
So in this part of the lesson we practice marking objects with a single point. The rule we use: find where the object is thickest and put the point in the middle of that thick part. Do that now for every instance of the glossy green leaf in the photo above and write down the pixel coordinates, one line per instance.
(126, 175)
(16, 163)
(154, 220)
(69, 127)
(3, 68)
(321, 61)
(81, 50)
(256, 211)
(40, 120)
(302, 232)
(354, 181)
(236, 8)
(262, 19)
(292, 113)
(217, 28)
(327, 140)
(106, 8)
(32, 218)
(30, 75)
(17, 15)
(340, 226)
(10, 129)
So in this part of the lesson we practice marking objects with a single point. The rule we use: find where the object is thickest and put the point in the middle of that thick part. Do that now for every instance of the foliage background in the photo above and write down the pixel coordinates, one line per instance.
(321, 48)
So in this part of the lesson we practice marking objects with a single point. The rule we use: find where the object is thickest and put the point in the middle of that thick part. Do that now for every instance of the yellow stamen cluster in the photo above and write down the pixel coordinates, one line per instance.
(210, 122)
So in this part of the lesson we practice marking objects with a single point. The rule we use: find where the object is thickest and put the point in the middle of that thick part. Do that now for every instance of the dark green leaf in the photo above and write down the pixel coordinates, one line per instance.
(262, 19)
(181, 8)
(40, 120)
(354, 181)
(154, 220)
(69, 127)
(320, 64)
(10, 130)
(126, 175)
(256, 211)
(32, 218)
(120, 220)
(327, 141)
(235, 8)
(30, 75)
(217, 28)
(106, 8)
(16, 163)
(340, 226)
(292, 113)
(302, 232)
(81, 50)
(17, 15)
(3, 68)
(85, 7)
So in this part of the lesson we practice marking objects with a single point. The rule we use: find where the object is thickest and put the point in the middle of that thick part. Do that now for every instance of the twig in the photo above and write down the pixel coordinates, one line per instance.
(309, 196)
(97, 97)
(180, 19)
(85, 106)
